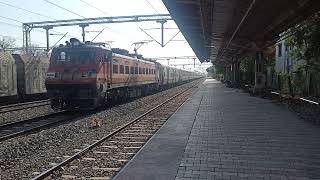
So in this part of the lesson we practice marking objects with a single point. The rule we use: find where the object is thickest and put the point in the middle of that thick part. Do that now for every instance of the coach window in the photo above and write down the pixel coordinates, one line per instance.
(115, 69)
(127, 70)
(121, 69)
(147, 71)
(136, 70)
(131, 70)
(140, 70)
(144, 71)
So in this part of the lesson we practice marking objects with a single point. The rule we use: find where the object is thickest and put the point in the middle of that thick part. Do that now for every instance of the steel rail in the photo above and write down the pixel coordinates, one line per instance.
(21, 104)
(36, 119)
(45, 102)
(50, 171)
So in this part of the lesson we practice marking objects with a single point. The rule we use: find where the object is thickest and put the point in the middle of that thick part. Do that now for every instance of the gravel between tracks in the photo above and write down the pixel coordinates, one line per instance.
(22, 156)
(25, 114)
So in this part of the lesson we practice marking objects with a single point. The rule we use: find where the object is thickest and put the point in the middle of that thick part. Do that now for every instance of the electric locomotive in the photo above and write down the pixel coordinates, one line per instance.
(87, 75)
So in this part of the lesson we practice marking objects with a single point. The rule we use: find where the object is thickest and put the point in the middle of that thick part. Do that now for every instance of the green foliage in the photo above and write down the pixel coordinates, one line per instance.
(247, 64)
(247, 69)
(304, 43)
(270, 60)
(220, 70)
(298, 81)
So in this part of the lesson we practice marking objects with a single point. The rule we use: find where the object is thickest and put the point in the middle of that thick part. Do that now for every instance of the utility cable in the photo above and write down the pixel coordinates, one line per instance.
(54, 4)
(105, 13)
(26, 10)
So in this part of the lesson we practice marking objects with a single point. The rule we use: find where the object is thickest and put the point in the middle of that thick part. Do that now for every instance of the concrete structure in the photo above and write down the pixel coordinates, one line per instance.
(222, 133)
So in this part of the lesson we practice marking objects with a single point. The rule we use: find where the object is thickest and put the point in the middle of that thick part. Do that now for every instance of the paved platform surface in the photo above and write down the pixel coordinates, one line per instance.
(222, 133)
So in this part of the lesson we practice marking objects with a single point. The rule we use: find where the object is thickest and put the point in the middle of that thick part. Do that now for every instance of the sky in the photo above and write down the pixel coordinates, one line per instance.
(121, 35)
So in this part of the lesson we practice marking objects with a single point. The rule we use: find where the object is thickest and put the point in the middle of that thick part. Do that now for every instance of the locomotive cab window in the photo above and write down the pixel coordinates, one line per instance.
(80, 56)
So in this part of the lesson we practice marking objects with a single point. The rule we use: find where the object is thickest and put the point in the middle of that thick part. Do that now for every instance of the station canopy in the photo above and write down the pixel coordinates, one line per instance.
(219, 30)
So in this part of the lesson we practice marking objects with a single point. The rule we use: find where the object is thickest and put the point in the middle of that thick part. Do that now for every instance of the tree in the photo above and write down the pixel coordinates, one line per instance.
(6, 42)
(304, 44)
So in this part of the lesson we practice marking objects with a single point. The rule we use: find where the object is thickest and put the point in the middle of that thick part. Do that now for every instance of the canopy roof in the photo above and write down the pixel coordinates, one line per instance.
(218, 30)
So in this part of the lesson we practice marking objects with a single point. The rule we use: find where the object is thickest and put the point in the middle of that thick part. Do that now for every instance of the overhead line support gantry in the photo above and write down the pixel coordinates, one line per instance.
(84, 22)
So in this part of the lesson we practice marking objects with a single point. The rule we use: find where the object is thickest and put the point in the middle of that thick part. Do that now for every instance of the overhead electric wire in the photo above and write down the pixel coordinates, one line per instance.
(11, 19)
(26, 10)
(29, 11)
(94, 7)
(61, 7)
(152, 7)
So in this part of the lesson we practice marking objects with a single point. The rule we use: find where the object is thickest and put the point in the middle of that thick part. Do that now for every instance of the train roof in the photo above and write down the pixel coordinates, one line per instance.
(6, 57)
(132, 58)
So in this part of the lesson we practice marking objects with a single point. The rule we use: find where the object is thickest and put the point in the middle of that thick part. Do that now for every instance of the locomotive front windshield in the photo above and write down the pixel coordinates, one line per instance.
(74, 56)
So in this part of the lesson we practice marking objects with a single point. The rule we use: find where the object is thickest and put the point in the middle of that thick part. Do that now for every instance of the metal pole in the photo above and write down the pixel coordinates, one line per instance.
(162, 41)
(27, 34)
(47, 36)
(83, 31)
(162, 31)
(83, 34)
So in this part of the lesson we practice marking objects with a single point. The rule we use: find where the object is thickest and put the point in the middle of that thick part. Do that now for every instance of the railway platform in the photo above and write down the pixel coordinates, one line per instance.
(223, 133)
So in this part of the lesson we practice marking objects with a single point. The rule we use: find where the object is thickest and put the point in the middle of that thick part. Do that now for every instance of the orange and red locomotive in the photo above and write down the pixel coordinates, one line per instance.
(85, 76)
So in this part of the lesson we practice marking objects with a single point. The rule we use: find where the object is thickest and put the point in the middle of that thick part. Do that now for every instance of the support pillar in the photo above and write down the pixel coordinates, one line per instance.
(26, 38)
(228, 73)
(162, 31)
(47, 36)
(233, 73)
(260, 78)
(236, 73)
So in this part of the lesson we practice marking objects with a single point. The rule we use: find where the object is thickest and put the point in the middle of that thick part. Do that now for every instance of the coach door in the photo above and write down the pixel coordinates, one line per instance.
(108, 67)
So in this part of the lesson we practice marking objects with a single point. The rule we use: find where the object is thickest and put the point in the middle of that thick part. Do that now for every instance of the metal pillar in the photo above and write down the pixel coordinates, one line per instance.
(26, 39)
(162, 31)
(238, 72)
(47, 36)
(83, 31)
(260, 78)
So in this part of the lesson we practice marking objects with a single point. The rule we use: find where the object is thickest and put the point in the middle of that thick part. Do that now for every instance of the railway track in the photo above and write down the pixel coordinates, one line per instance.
(22, 106)
(14, 129)
(106, 156)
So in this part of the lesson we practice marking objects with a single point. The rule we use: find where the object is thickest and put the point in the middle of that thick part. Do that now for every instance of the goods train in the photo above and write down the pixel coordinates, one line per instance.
(88, 75)
(22, 77)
